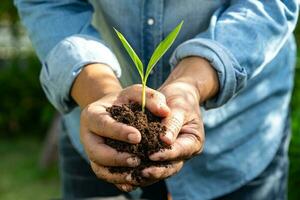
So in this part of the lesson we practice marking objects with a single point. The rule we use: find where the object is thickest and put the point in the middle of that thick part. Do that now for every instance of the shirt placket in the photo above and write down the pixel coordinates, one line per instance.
(152, 35)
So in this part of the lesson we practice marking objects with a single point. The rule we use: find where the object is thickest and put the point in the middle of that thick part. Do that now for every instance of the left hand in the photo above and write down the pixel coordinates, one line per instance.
(192, 82)
(185, 132)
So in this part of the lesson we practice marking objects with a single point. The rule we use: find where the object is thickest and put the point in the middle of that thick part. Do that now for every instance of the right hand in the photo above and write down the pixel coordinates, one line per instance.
(96, 123)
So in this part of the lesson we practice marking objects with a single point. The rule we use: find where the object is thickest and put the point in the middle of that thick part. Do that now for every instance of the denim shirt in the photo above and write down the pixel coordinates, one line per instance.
(248, 42)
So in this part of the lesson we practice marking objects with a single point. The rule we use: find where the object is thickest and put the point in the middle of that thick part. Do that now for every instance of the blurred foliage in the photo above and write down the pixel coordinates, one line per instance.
(8, 11)
(24, 109)
(296, 93)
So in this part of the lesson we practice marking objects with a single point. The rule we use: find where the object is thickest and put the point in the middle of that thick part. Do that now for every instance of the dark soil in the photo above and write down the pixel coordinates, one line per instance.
(150, 128)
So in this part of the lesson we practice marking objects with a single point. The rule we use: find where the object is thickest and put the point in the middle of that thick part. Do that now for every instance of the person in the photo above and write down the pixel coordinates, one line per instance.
(229, 73)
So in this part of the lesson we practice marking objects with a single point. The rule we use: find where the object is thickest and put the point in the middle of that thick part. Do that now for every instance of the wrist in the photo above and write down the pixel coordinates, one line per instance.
(94, 82)
(197, 72)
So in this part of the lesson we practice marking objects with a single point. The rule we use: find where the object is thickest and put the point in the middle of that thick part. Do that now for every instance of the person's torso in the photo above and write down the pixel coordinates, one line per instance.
(242, 136)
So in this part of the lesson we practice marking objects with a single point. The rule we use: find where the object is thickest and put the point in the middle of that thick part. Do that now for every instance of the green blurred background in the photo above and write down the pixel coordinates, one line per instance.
(26, 116)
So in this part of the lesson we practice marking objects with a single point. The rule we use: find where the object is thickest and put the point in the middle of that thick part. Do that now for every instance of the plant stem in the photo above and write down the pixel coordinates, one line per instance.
(143, 95)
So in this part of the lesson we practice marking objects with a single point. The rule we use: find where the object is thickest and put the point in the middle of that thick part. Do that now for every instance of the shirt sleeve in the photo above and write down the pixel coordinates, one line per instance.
(65, 41)
(241, 39)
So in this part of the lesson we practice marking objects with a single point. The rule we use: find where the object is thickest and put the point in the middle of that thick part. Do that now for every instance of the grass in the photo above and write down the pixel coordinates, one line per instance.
(20, 177)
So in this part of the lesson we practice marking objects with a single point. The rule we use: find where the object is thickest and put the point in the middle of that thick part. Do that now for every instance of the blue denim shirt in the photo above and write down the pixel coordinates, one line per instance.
(248, 42)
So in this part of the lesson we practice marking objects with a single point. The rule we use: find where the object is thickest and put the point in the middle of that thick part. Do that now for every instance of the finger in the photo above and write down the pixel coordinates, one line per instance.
(142, 182)
(185, 146)
(155, 101)
(158, 173)
(125, 187)
(102, 154)
(100, 122)
(104, 174)
(173, 123)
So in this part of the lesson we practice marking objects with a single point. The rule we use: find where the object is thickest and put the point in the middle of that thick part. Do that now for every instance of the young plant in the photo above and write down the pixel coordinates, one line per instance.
(157, 54)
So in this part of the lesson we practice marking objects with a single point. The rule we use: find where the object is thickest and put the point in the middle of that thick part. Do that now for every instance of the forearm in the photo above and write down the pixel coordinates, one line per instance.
(94, 82)
(240, 40)
(74, 43)
(198, 73)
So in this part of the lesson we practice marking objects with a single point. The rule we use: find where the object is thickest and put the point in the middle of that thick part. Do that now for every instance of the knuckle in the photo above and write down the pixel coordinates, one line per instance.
(126, 187)
(198, 144)
(122, 127)
(92, 154)
(151, 94)
(168, 173)
(121, 131)
(92, 159)
(96, 170)
(102, 174)
(202, 142)
(111, 180)
(129, 188)
(197, 153)
(136, 87)
(173, 154)
(83, 116)
(88, 110)
(201, 149)
(116, 160)
(104, 177)
(178, 167)
(183, 152)
(156, 173)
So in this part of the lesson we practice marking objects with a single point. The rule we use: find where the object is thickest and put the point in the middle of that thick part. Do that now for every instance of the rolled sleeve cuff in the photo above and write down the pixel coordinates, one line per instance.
(232, 77)
(66, 60)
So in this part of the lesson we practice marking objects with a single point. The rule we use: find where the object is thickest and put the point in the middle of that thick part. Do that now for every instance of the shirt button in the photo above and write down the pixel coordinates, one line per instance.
(150, 21)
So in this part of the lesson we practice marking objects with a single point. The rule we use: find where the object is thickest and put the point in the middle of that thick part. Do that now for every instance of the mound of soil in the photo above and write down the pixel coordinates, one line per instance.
(150, 128)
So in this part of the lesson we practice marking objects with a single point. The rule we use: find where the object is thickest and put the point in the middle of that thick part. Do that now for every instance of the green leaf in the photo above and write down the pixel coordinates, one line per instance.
(162, 48)
(138, 63)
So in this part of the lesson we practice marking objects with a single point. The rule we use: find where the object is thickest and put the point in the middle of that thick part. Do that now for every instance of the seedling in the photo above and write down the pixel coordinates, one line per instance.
(157, 54)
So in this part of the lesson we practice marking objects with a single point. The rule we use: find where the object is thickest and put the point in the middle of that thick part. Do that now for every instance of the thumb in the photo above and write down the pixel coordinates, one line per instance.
(173, 124)
(155, 100)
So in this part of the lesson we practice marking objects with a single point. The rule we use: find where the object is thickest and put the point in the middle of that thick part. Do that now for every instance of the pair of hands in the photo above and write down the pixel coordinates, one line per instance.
(177, 101)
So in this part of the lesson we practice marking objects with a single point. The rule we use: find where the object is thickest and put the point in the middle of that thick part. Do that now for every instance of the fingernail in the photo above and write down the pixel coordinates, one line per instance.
(124, 187)
(128, 178)
(164, 107)
(133, 161)
(133, 137)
